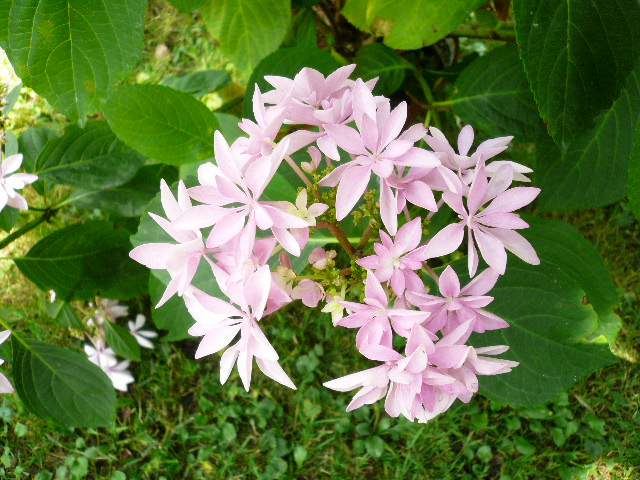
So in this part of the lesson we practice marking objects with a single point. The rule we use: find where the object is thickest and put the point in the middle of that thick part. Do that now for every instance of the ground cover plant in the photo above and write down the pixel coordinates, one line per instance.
(101, 144)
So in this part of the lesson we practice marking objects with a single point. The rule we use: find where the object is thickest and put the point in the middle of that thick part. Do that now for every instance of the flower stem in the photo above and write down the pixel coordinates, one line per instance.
(46, 216)
(426, 91)
(438, 205)
(340, 236)
(433, 274)
(299, 172)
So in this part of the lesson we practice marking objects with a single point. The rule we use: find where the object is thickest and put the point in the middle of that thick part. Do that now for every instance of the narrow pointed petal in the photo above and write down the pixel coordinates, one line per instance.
(216, 340)
(518, 245)
(273, 370)
(445, 241)
(492, 250)
(465, 140)
(449, 283)
(352, 186)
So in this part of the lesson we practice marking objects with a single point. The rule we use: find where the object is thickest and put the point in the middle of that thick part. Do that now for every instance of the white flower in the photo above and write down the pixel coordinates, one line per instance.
(5, 385)
(9, 184)
(105, 358)
(141, 336)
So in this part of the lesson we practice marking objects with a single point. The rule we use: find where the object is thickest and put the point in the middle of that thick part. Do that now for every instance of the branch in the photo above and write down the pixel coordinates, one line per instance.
(27, 228)
(340, 236)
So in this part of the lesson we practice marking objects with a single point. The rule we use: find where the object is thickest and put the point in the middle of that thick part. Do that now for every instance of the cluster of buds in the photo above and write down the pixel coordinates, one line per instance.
(357, 143)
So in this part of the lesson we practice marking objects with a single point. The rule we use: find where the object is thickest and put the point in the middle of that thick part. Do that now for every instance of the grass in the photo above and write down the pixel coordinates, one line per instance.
(177, 421)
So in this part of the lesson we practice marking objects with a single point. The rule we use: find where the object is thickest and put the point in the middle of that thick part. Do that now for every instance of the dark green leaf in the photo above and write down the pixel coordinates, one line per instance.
(378, 60)
(248, 30)
(493, 94)
(548, 323)
(634, 174)
(82, 260)
(563, 246)
(90, 157)
(302, 30)
(594, 170)
(577, 55)
(131, 198)
(374, 446)
(8, 218)
(30, 144)
(64, 313)
(162, 123)
(199, 83)
(72, 52)
(408, 24)
(62, 385)
(122, 342)
(287, 62)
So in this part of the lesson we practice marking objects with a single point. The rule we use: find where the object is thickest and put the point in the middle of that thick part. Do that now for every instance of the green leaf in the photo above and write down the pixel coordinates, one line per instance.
(563, 246)
(30, 144)
(122, 342)
(131, 198)
(595, 167)
(493, 94)
(64, 313)
(83, 260)
(12, 98)
(162, 123)
(408, 24)
(287, 62)
(374, 446)
(200, 83)
(62, 385)
(577, 55)
(378, 60)
(548, 323)
(248, 30)
(90, 157)
(8, 218)
(72, 52)
(634, 174)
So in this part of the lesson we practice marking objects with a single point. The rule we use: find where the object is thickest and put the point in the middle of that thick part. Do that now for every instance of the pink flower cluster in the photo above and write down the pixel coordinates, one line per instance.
(361, 144)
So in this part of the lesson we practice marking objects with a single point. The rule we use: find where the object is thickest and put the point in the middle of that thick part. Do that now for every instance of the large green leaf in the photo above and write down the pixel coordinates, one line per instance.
(83, 260)
(577, 55)
(563, 246)
(493, 94)
(199, 83)
(89, 157)
(131, 198)
(72, 52)
(594, 170)
(378, 60)
(409, 24)
(62, 385)
(634, 174)
(248, 30)
(162, 123)
(287, 62)
(548, 325)
(8, 218)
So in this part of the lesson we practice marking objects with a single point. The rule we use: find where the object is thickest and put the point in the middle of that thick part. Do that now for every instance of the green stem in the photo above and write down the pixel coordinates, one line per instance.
(426, 91)
(503, 33)
(46, 216)
(340, 236)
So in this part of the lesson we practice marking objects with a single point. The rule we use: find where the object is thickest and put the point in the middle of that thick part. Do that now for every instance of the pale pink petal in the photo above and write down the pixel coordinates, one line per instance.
(256, 290)
(492, 250)
(373, 290)
(226, 362)
(518, 245)
(465, 140)
(273, 370)
(418, 193)
(216, 340)
(482, 283)
(445, 241)
(152, 255)
(394, 124)
(352, 186)
(449, 283)
(245, 365)
(388, 204)
(513, 199)
(477, 191)
(346, 138)
(409, 235)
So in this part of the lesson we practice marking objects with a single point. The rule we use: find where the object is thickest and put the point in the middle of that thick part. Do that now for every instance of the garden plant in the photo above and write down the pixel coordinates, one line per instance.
(431, 206)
